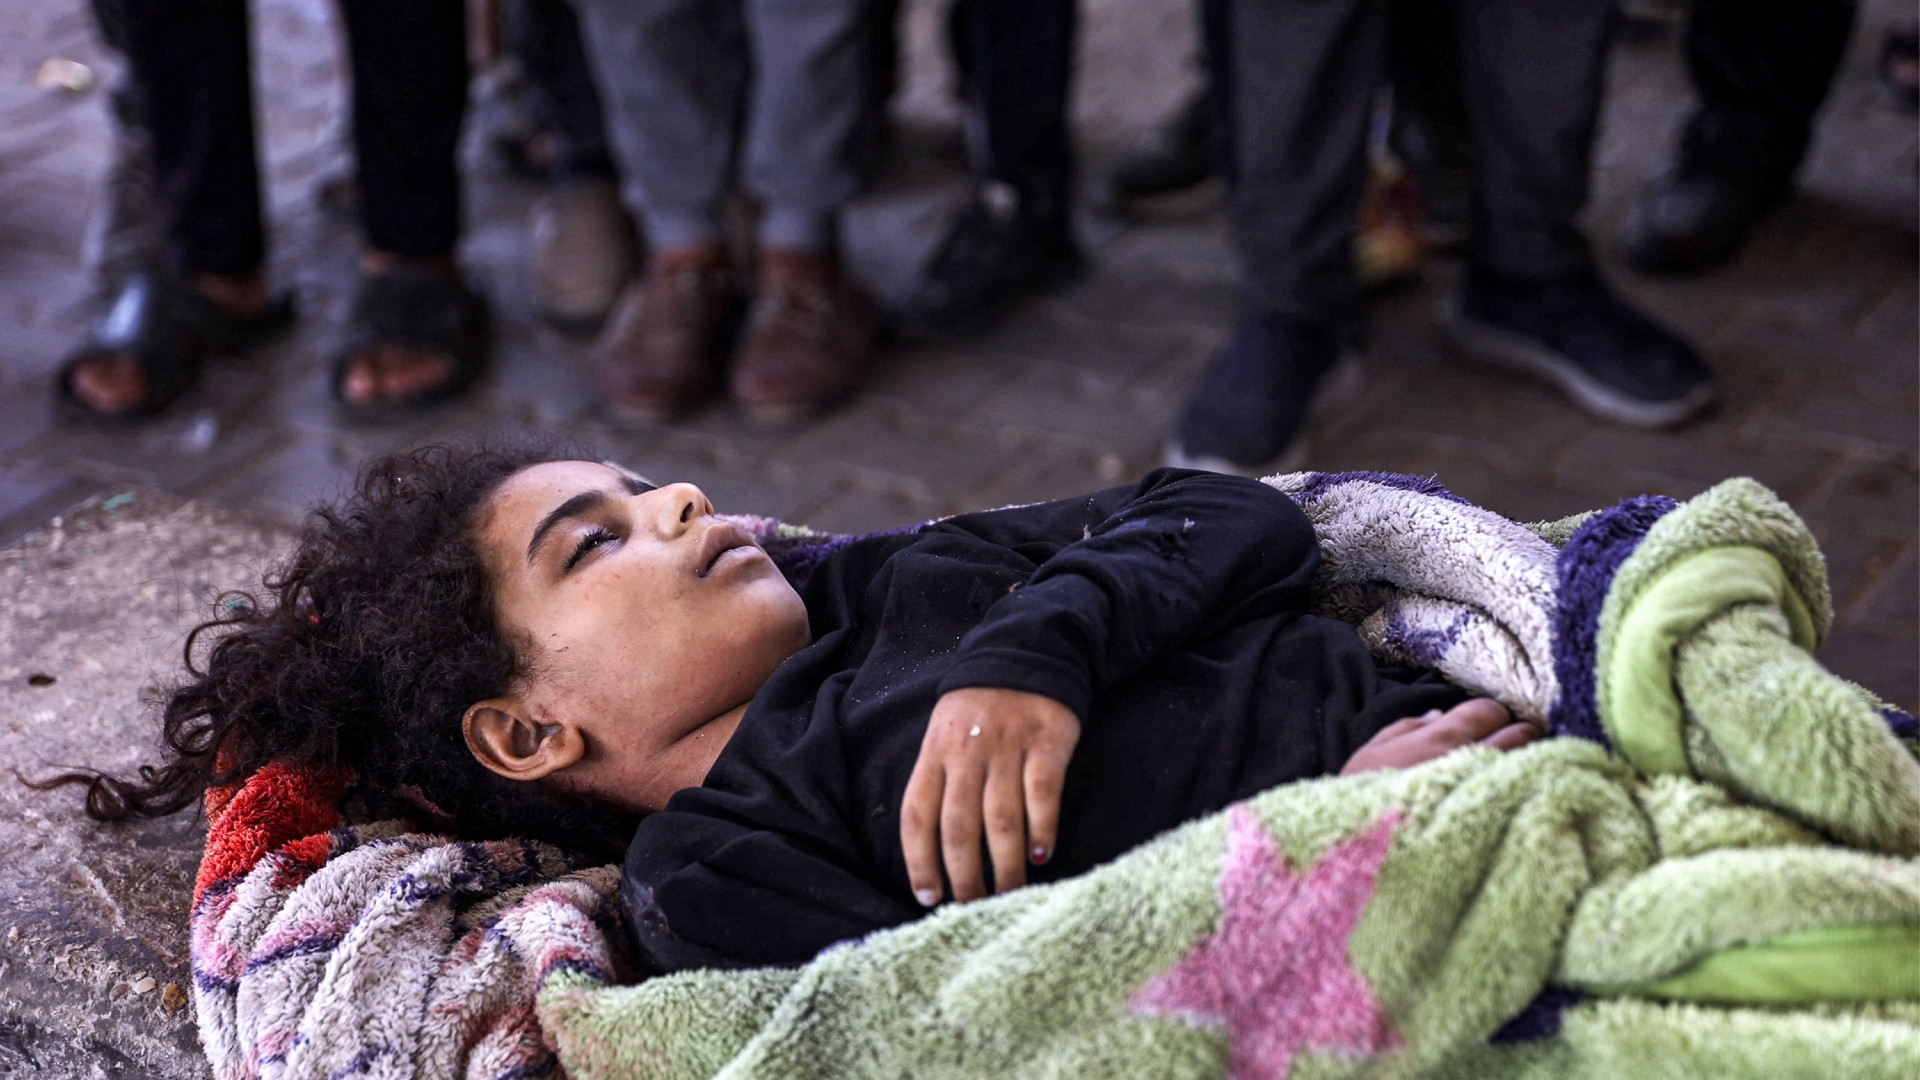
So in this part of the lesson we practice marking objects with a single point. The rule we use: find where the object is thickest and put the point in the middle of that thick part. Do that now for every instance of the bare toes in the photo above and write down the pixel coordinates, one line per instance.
(109, 384)
(360, 382)
(409, 373)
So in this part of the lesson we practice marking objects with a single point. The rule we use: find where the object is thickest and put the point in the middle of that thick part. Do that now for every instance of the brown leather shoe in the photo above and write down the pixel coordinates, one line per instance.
(657, 357)
(807, 339)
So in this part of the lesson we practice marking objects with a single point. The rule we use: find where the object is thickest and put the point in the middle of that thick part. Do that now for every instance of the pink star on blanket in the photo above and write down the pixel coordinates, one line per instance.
(1275, 974)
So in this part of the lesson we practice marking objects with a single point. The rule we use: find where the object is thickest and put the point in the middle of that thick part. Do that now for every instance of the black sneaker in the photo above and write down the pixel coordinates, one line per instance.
(993, 256)
(1572, 331)
(1727, 173)
(1250, 406)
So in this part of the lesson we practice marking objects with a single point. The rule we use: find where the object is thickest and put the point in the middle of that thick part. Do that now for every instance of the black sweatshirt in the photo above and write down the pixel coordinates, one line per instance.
(1170, 616)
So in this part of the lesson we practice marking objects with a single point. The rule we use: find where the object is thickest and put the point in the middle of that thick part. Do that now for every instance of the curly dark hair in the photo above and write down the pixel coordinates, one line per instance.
(372, 641)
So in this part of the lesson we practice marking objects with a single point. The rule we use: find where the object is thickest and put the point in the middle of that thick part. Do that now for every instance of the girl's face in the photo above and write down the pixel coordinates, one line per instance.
(646, 623)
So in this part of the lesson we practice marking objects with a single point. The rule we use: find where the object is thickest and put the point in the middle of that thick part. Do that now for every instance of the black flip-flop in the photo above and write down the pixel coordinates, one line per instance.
(166, 328)
(416, 307)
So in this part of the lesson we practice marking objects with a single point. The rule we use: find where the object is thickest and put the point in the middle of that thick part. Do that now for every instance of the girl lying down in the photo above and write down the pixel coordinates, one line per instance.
(529, 645)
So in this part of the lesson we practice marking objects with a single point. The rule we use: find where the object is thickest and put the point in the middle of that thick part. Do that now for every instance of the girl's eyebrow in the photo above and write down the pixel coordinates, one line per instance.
(578, 506)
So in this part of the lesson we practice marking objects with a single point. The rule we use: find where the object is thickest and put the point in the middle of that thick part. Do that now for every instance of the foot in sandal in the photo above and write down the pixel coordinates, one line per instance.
(416, 335)
(146, 351)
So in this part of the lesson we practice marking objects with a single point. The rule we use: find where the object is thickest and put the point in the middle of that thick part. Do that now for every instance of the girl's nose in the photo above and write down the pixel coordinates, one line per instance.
(683, 503)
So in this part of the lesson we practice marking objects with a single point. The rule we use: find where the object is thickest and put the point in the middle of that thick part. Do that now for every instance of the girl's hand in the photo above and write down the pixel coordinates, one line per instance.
(992, 757)
(1416, 739)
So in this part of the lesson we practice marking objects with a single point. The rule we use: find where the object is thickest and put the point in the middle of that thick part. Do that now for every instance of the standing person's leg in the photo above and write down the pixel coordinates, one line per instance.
(1014, 237)
(1531, 299)
(126, 230)
(1191, 145)
(1762, 69)
(192, 62)
(800, 148)
(1534, 75)
(189, 64)
(545, 36)
(1216, 37)
(416, 332)
(811, 330)
(409, 67)
(883, 81)
(1019, 97)
(1304, 77)
(672, 78)
(584, 248)
(1429, 125)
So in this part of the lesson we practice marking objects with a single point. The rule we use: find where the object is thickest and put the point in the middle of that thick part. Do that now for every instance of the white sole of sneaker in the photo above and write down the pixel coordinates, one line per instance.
(1490, 346)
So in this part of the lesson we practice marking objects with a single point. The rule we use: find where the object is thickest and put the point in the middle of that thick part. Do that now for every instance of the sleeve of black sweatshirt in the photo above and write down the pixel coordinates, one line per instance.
(1174, 559)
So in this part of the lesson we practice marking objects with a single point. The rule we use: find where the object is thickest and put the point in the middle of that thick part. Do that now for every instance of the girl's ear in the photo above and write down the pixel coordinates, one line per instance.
(504, 738)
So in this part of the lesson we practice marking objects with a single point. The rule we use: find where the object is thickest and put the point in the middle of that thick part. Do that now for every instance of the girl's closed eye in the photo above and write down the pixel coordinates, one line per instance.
(593, 539)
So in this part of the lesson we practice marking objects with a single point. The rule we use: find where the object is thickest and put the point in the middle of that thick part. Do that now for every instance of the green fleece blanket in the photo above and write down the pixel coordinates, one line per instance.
(1712, 873)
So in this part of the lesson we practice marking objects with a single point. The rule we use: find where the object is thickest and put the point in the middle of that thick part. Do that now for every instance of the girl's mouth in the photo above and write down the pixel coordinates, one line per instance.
(721, 541)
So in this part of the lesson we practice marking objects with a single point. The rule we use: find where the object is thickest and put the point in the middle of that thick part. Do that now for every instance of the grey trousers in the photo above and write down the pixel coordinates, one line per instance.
(695, 88)
(1304, 77)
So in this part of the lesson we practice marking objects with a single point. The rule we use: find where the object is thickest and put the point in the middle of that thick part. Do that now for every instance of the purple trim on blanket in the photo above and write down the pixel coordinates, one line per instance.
(324, 941)
(799, 556)
(1586, 568)
(1540, 1019)
(1429, 647)
(1904, 724)
(361, 1061)
(412, 890)
(299, 1039)
(1420, 485)
(209, 982)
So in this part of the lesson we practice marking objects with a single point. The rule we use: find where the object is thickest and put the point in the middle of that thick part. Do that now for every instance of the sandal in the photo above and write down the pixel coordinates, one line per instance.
(166, 328)
(410, 305)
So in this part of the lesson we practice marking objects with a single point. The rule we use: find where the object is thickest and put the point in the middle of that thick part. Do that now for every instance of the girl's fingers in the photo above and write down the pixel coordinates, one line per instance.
(1401, 727)
(960, 832)
(920, 830)
(1044, 776)
(1512, 737)
(1006, 818)
(1471, 721)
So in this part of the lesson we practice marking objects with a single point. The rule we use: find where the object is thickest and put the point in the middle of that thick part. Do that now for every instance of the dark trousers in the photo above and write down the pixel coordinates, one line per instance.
(190, 59)
(1017, 56)
(545, 36)
(1763, 68)
(1216, 49)
(1304, 75)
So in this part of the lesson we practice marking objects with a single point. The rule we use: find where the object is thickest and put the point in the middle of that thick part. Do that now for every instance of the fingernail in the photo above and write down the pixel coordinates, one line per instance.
(1431, 714)
(927, 897)
(1038, 855)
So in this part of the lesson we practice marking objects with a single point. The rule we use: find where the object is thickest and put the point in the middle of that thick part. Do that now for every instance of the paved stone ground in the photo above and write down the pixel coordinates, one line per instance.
(1813, 332)
(93, 939)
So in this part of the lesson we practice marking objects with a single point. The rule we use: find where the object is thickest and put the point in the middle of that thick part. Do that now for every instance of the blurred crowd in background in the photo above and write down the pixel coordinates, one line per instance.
(701, 155)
